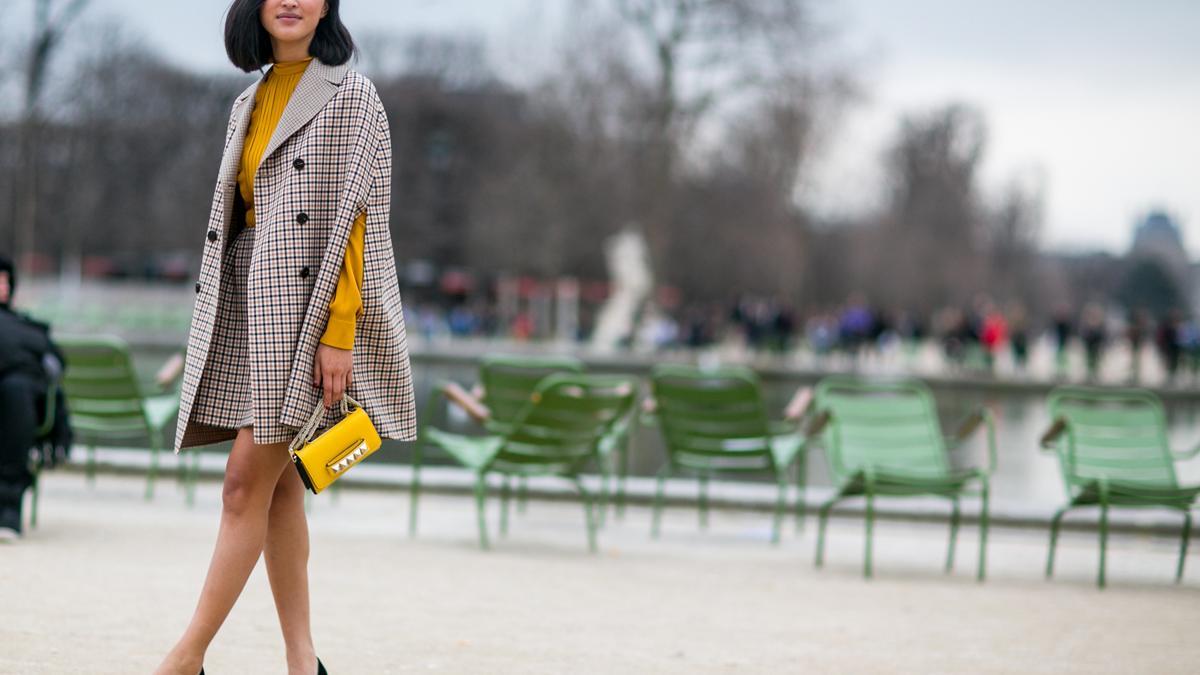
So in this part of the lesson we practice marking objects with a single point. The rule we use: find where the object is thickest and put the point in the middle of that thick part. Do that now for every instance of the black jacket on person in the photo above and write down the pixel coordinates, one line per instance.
(27, 350)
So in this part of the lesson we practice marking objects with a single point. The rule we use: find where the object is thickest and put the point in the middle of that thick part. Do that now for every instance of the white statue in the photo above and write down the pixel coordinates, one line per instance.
(631, 280)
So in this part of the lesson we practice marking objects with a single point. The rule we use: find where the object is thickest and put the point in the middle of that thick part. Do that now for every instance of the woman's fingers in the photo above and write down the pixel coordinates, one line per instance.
(333, 371)
(329, 386)
(339, 388)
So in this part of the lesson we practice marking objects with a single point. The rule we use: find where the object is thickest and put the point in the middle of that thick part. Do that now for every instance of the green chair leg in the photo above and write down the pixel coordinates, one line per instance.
(414, 490)
(822, 520)
(1054, 525)
(33, 506)
(191, 476)
(780, 506)
(656, 518)
(603, 498)
(801, 489)
(522, 494)
(90, 469)
(984, 515)
(622, 474)
(181, 471)
(1183, 544)
(1100, 580)
(152, 474)
(335, 491)
(954, 518)
(587, 513)
(480, 508)
(870, 526)
(505, 493)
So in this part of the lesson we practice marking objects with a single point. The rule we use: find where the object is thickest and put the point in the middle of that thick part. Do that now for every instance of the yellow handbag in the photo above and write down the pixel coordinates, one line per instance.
(324, 459)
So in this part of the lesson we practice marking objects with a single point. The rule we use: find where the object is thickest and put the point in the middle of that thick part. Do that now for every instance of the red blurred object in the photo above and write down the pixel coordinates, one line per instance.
(97, 266)
(36, 263)
(457, 282)
(594, 291)
(995, 331)
(522, 327)
(668, 297)
(528, 287)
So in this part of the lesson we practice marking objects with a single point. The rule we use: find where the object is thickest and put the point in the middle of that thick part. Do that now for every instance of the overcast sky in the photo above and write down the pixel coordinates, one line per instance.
(1100, 97)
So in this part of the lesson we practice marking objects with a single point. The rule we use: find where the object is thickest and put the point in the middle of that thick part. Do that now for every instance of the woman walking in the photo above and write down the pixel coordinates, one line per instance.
(297, 302)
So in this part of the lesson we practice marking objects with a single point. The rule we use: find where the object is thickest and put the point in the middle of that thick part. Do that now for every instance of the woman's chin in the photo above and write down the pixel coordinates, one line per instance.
(288, 34)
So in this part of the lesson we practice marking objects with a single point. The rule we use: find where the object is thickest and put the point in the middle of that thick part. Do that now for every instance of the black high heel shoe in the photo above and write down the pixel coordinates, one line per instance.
(320, 668)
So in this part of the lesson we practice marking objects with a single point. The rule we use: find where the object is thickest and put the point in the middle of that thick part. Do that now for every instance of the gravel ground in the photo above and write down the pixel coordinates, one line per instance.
(107, 582)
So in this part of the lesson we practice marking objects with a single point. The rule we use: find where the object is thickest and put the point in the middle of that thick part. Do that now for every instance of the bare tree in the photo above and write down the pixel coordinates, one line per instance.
(51, 19)
(704, 52)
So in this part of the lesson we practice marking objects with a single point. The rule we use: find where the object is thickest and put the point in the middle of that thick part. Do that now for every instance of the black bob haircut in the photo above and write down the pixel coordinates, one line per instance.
(249, 45)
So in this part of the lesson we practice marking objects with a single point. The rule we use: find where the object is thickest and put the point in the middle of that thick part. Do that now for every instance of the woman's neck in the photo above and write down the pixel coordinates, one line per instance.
(285, 52)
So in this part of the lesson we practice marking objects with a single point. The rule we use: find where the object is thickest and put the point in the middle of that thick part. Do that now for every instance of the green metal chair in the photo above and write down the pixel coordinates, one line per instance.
(883, 439)
(106, 400)
(556, 433)
(505, 386)
(715, 420)
(1113, 451)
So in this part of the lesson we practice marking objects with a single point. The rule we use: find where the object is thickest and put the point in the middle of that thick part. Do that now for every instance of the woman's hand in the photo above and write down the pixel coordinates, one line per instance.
(333, 372)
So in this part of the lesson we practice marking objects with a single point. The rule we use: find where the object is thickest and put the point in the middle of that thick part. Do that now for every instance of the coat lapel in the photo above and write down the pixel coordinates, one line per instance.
(317, 85)
(233, 151)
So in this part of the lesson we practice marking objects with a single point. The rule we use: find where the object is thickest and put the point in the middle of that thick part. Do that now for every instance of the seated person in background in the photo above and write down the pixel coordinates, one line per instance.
(29, 362)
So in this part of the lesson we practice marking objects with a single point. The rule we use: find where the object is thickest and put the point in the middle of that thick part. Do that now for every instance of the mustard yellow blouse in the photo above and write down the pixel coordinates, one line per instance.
(269, 102)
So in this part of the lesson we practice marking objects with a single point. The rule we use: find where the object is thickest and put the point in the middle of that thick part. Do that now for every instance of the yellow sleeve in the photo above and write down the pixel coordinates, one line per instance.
(346, 305)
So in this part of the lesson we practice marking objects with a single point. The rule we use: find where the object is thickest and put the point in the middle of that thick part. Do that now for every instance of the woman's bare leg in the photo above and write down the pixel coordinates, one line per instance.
(286, 554)
(251, 475)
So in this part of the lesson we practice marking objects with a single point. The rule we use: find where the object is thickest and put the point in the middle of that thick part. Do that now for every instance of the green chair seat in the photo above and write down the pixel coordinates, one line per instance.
(160, 409)
(473, 452)
(1135, 494)
(786, 448)
(900, 484)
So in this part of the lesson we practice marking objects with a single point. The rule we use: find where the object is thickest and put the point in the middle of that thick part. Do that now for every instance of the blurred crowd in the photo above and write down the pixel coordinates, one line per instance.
(974, 338)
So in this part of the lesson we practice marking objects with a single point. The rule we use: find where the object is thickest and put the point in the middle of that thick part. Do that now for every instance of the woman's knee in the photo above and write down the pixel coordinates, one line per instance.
(243, 492)
(250, 478)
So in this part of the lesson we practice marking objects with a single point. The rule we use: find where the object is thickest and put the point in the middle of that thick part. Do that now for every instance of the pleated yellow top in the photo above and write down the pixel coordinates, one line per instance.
(269, 102)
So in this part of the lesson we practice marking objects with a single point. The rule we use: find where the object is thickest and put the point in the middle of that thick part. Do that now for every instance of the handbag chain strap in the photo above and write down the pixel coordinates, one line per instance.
(310, 427)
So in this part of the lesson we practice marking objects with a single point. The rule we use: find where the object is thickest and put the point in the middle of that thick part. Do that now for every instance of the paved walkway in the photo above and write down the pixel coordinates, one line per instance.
(107, 582)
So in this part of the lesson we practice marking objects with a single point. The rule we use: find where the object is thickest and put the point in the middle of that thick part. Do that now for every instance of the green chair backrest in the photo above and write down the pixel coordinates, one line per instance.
(887, 426)
(712, 418)
(101, 387)
(1116, 435)
(561, 424)
(508, 382)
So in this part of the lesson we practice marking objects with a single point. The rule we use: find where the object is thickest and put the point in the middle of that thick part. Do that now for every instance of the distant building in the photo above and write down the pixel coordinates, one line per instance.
(1157, 235)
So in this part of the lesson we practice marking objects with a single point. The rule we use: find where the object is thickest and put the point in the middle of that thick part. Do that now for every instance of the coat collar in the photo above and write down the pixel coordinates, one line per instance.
(317, 85)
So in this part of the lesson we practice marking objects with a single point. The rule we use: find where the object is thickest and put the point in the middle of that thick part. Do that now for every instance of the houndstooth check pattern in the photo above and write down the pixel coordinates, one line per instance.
(223, 401)
(336, 126)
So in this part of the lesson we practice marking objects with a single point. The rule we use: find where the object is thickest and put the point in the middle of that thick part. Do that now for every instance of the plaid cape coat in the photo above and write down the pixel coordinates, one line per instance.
(329, 158)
